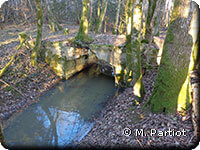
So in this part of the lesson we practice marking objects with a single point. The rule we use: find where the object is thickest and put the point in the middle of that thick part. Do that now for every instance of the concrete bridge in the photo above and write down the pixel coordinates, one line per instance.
(66, 59)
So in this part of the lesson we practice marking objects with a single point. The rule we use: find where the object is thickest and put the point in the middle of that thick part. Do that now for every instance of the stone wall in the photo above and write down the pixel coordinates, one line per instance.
(66, 60)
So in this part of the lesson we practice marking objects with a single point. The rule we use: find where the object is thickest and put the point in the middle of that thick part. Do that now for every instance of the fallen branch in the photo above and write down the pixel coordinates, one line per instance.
(12, 87)
(12, 58)
(7, 65)
(138, 141)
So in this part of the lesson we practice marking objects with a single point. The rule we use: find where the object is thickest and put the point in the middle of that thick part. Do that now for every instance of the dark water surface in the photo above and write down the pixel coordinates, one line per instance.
(63, 116)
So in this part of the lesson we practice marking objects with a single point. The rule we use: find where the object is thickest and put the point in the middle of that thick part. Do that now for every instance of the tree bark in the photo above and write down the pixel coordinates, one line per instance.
(53, 23)
(100, 19)
(36, 49)
(151, 8)
(172, 89)
(153, 24)
(117, 17)
(98, 8)
(195, 72)
(83, 29)
(195, 83)
(145, 6)
(91, 11)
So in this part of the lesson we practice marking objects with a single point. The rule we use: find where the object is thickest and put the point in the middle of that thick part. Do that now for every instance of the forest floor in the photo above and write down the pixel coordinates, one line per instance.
(23, 84)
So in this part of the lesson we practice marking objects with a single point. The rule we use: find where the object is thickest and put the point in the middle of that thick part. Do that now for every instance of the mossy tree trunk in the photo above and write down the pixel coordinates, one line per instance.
(151, 8)
(100, 19)
(133, 69)
(117, 17)
(36, 50)
(129, 50)
(137, 16)
(172, 89)
(83, 29)
(138, 88)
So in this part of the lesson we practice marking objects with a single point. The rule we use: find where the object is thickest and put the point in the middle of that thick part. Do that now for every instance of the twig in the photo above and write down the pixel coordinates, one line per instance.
(12, 87)
(138, 141)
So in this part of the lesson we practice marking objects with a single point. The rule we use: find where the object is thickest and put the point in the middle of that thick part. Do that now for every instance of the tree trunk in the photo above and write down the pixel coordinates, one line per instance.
(133, 70)
(129, 49)
(83, 29)
(153, 24)
(151, 8)
(158, 19)
(124, 19)
(195, 78)
(195, 72)
(99, 8)
(78, 14)
(53, 23)
(36, 49)
(117, 17)
(1, 134)
(172, 89)
(91, 11)
(145, 6)
(101, 17)
(137, 16)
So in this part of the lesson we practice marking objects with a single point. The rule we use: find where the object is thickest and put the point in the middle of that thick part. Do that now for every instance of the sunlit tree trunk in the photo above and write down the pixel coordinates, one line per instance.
(129, 49)
(195, 83)
(137, 16)
(100, 19)
(123, 18)
(36, 50)
(133, 69)
(99, 8)
(91, 11)
(117, 17)
(172, 91)
(195, 72)
(145, 6)
(83, 29)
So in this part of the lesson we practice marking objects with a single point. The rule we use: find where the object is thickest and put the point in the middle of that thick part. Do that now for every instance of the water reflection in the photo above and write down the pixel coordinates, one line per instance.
(63, 115)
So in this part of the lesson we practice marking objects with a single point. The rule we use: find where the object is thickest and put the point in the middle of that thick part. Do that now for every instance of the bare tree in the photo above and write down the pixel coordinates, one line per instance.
(36, 50)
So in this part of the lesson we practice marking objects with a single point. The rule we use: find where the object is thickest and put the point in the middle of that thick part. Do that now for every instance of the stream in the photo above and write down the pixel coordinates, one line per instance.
(64, 114)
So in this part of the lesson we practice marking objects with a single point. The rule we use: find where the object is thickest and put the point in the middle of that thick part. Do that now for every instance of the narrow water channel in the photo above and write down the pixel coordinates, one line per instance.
(63, 115)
